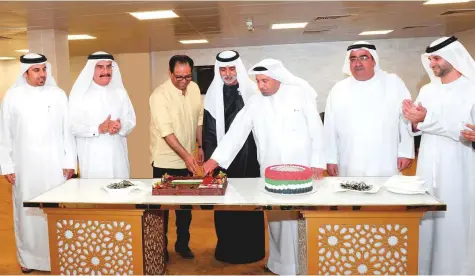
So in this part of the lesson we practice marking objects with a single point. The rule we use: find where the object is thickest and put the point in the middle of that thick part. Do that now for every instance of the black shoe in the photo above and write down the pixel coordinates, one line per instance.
(187, 254)
(167, 257)
(25, 270)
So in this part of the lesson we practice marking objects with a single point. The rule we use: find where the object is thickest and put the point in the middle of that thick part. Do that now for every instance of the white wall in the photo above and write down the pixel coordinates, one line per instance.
(9, 70)
(76, 64)
(318, 63)
(467, 38)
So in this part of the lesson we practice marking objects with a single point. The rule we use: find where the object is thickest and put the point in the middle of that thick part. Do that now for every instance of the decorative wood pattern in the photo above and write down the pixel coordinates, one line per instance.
(362, 249)
(94, 247)
(154, 243)
(95, 243)
(362, 243)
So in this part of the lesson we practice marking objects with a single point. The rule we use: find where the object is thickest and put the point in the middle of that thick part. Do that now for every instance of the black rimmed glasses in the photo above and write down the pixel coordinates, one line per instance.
(180, 78)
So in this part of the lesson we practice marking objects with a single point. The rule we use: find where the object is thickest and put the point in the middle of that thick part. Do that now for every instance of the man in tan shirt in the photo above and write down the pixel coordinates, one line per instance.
(176, 122)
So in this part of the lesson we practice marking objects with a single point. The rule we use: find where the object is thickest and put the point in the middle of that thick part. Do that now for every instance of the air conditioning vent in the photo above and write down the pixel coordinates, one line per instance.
(414, 27)
(332, 17)
(460, 11)
(314, 31)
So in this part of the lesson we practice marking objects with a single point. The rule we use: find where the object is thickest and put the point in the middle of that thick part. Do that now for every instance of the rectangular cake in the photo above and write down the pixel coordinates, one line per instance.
(191, 185)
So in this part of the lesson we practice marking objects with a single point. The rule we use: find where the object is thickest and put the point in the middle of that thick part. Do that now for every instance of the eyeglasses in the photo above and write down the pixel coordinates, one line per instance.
(360, 58)
(102, 67)
(180, 78)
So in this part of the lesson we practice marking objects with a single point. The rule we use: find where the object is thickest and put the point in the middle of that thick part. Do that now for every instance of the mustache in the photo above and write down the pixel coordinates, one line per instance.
(229, 78)
(105, 75)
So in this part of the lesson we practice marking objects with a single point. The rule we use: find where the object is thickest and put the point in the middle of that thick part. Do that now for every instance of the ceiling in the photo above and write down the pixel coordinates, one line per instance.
(223, 23)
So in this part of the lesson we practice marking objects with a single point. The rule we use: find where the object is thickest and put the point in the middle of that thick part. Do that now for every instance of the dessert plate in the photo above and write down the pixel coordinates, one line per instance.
(336, 186)
(406, 192)
(136, 185)
(408, 185)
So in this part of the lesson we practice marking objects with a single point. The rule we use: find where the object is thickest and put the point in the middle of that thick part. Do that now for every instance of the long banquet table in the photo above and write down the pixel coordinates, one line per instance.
(91, 230)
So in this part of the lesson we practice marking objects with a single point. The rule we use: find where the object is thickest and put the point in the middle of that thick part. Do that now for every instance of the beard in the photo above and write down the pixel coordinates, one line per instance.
(229, 80)
(442, 70)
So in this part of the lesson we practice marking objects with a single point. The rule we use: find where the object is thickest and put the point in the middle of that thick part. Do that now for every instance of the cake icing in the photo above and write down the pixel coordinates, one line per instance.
(288, 179)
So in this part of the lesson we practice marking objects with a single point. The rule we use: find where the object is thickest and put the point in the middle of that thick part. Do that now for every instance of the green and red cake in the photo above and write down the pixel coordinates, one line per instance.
(288, 179)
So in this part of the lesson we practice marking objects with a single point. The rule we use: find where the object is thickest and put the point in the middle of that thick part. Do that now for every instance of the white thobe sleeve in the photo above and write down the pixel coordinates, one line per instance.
(436, 124)
(406, 140)
(6, 162)
(232, 142)
(329, 131)
(70, 153)
(79, 128)
(127, 116)
(315, 128)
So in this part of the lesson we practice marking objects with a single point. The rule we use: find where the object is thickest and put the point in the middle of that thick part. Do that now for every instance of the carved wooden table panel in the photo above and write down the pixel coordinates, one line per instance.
(360, 243)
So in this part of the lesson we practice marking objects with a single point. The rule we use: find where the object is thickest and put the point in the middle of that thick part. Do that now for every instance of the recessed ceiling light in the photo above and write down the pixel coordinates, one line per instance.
(196, 41)
(7, 58)
(382, 32)
(154, 14)
(23, 50)
(80, 37)
(435, 2)
(281, 26)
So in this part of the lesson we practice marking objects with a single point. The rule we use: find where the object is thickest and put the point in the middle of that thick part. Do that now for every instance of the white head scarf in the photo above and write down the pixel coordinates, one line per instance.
(275, 69)
(83, 82)
(454, 53)
(29, 60)
(213, 101)
(358, 46)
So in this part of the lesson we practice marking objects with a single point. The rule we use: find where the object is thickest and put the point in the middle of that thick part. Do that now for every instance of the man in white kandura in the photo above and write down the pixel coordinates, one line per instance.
(365, 131)
(37, 153)
(288, 130)
(446, 160)
(102, 116)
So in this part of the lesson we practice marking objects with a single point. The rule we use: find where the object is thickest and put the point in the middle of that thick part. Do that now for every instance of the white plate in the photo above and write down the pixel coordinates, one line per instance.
(405, 192)
(263, 190)
(337, 188)
(407, 181)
